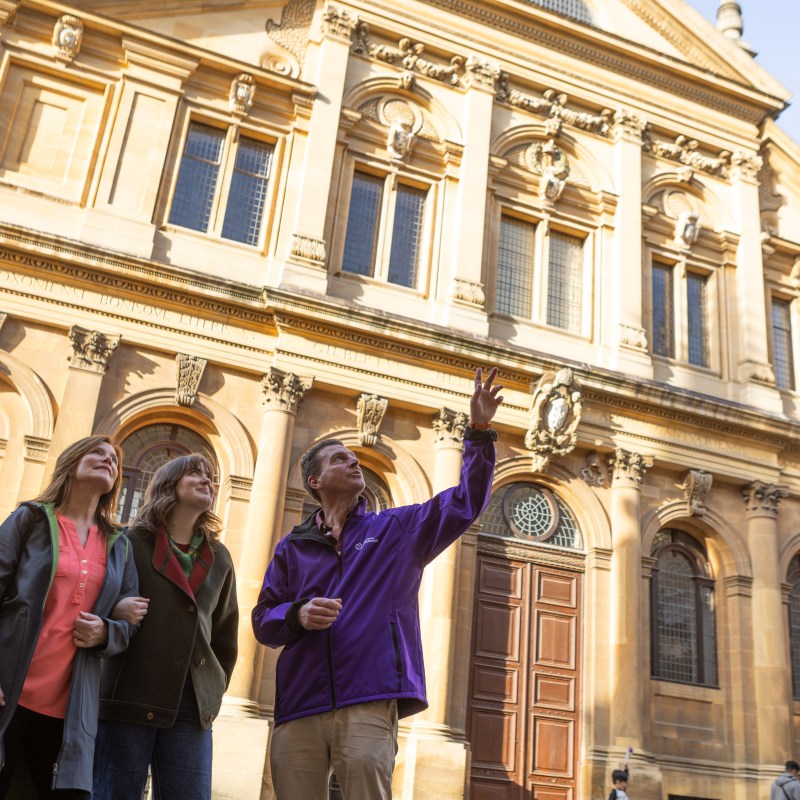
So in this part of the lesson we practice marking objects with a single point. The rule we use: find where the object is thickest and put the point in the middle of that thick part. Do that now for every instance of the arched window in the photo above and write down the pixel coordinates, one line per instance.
(683, 621)
(532, 513)
(144, 451)
(794, 623)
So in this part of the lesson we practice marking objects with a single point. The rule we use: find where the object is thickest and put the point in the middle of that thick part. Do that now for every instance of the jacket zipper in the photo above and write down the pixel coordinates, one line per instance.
(398, 660)
(329, 638)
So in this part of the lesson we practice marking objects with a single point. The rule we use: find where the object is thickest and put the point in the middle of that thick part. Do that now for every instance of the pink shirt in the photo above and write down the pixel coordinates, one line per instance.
(80, 573)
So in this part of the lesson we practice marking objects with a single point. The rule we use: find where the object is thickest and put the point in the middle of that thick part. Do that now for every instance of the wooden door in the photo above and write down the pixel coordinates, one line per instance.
(525, 680)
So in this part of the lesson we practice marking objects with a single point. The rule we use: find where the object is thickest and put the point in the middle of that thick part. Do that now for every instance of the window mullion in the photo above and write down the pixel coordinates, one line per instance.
(385, 222)
(224, 184)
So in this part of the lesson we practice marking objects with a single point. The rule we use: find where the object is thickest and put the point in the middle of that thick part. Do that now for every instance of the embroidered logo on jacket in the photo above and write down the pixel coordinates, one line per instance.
(368, 540)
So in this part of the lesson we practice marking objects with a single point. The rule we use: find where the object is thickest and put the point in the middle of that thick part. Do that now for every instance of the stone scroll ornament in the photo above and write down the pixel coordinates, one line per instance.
(370, 411)
(555, 413)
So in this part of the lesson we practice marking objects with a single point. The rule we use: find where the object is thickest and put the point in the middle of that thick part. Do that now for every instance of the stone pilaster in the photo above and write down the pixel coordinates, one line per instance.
(770, 657)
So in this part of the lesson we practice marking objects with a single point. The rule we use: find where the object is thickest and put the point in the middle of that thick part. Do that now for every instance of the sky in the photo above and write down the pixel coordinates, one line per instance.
(771, 28)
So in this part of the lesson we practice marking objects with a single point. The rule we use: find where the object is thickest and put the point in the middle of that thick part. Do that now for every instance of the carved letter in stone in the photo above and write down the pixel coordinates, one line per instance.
(91, 350)
(284, 391)
(370, 410)
(188, 372)
(628, 468)
(450, 427)
(555, 413)
(594, 473)
(243, 90)
(67, 37)
(762, 499)
(696, 486)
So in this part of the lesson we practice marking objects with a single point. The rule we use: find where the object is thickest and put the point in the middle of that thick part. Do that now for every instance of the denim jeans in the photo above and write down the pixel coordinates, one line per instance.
(179, 757)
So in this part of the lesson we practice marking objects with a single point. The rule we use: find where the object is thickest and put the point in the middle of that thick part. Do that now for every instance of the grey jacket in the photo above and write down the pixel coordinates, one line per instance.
(28, 560)
(785, 787)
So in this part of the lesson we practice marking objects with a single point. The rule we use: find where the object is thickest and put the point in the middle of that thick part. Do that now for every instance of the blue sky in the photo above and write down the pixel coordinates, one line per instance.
(771, 28)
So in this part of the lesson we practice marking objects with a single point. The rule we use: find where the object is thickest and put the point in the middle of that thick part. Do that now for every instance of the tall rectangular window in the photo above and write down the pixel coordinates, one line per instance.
(385, 228)
(213, 199)
(513, 287)
(565, 282)
(697, 319)
(663, 311)
(783, 357)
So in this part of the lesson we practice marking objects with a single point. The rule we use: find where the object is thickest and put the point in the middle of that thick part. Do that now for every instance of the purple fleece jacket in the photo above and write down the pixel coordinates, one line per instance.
(374, 649)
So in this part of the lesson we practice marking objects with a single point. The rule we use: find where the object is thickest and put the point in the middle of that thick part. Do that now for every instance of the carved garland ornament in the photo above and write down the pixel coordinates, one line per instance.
(685, 150)
(555, 413)
(370, 410)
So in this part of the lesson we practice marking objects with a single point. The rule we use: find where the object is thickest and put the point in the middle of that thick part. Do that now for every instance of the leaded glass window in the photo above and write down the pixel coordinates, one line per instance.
(245, 206)
(663, 311)
(576, 9)
(794, 623)
(683, 612)
(531, 513)
(144, 451)
(376, 248)
(565, 282)
(513, 289)
(782, 354)
(697, 319)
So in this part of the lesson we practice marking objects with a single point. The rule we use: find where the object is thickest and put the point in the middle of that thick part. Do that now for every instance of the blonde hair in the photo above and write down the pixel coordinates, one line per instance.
(62, 480)
(160, 498)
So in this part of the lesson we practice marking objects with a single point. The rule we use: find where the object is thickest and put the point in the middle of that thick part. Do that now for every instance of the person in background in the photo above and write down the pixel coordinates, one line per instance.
(158, 701)
(786, 786)
(64, 565)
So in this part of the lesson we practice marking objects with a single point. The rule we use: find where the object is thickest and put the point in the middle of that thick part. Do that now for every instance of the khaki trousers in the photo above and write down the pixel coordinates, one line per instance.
(359, 742)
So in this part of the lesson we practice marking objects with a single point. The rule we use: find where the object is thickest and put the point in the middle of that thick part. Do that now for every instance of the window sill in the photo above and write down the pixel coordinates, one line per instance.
(367, 281)
(692, 691)
(198, 236)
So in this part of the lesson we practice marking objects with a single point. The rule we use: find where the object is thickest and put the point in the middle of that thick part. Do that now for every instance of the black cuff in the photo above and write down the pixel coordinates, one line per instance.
(472, 435)
(291, 616)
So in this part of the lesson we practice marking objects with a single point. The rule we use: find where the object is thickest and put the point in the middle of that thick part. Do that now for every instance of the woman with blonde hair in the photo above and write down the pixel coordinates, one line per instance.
(64, 565)
(158, 699)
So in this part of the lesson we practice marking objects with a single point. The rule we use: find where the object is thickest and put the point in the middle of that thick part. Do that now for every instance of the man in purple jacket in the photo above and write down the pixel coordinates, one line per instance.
(340, 597)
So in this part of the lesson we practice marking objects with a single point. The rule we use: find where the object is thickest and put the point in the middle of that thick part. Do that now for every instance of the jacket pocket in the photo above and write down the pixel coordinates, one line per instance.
(397, 655)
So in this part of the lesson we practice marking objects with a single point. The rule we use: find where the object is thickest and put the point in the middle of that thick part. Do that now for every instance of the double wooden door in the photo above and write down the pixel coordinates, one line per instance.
(525, 679)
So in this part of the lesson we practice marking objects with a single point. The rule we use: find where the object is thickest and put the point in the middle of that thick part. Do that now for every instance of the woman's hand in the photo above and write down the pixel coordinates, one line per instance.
(131, 609)
(89, 630)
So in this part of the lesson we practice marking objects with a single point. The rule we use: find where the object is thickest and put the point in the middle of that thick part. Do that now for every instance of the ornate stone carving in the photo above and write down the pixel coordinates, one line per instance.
(307, 248)
(594, 473)
(240, 487)
(284, 391)
(770, 200)
(628, 123)
(632, 338)
(370, 410)
(552, 164)
(696, 485)
(292, 31)
(628, 468)
(482, 73)
(407, 55)
(555, 413)
(685, 150)
(91, 350)
(188, 372)
(67, 37)
(400, 139)
(552, 104)
(756, 371)
(745, 165)
(687, 229)
(470, 292)
(240, 97)
(36, 448)
(449, 427)
(762, 499)
(338, 24)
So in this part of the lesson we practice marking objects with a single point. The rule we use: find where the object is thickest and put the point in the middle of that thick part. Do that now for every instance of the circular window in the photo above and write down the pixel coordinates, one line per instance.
(530, 511)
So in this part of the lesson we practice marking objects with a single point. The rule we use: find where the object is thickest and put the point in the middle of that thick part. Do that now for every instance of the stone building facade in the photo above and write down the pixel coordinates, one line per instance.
(242, 226)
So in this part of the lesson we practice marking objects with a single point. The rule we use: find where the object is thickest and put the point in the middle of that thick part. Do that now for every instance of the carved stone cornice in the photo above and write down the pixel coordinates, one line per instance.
(369, 415)
(239, 487)
(308, 249)
(188, 373)
(36, 448)
(449, 427)
(338, 24)
(738, 585)
(628, 125)
(284, 391)
(685, 151)
(696, 485)
(519, 550)
(91, 350)
(628, 468)
(762, 499)
(294, 499)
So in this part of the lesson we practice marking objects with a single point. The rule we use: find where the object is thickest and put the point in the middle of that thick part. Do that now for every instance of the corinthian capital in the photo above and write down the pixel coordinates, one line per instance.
(91, 350)
(338, 24)
(481, 73)
(628, 124)
(450, 427)
(762, 499)
(284, 391)
(628, 468)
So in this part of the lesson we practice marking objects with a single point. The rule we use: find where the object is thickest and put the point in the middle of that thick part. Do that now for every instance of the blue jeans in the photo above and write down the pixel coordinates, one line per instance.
(179, 757)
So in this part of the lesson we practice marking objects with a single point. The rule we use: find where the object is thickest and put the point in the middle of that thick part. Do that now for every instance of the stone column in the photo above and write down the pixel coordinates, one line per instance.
(754, 370)
(326, 68)
(465, 293)
(770, 657)
(91, 351)
(283, 393)
(627, 681)
(626, 329)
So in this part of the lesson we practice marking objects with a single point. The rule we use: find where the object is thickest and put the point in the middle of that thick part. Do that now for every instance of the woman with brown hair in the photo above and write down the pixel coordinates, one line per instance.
(158, 699)
(64, 565)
